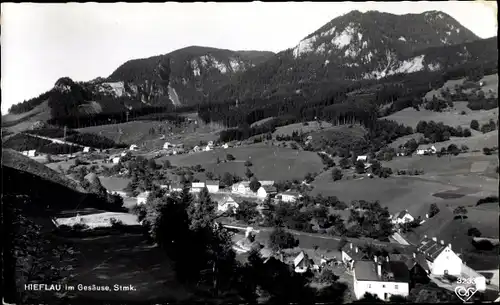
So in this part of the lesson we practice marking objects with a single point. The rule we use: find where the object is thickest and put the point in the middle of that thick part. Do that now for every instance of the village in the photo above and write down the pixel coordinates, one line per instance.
(384, 275)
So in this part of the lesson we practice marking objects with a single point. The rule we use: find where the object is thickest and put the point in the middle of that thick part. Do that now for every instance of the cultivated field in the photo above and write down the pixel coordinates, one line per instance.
(269, 163)
(454, 118)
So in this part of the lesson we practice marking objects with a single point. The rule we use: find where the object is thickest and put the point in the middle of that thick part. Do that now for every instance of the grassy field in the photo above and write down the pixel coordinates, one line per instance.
(411, 117)
(135, 132)
(269, 163)
(312, 126)
(20, 162)
(114, 183)
(476, 142)
(24, 121)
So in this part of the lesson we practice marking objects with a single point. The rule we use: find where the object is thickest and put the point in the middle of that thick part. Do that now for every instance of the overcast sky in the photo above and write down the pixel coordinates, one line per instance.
(43, 42)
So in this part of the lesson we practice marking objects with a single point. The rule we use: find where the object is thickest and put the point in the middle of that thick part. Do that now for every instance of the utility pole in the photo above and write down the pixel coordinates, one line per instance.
(64, 133)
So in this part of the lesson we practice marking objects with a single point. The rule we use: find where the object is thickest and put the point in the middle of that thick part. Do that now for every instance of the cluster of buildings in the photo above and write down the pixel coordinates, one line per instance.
(210, 146)
(397, 274)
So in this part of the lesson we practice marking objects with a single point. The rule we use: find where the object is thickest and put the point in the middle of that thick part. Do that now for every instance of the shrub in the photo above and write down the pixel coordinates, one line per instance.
(487, 200)
(80, 227)
(230, 157)
(474, 232)
(116, 223)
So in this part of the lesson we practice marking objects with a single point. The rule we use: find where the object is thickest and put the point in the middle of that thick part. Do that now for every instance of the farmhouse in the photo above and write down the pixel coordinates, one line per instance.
(167, 145)
(362, 158)
(86, 149)
(266, 183)
(440, 257)
(133, 147)
(301, 263)
(403, 217)
(382, 279)
(289, 196)
(416, 264)
(175, 187)
(427, 151)
(242, 188)
(225, 146)
(196, 149)
(208, 148)
(142, 198)
(116, 160)
(266, 191)
(351, 254)
(197, 186)
(212, 186)
(227, 203)
(29, 153)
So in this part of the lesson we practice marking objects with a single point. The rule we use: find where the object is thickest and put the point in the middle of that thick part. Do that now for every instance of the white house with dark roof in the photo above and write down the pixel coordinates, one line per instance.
(402, 217)
(350, 254)
(442, 260)
(301, 263)
(212, 186)
(265, 191)
(227, 203)
(242, 188)
(362, 158)
(440, 257)
(196, 187)
(381, 278)
(175, 187)
(289, 196)
(142, 198)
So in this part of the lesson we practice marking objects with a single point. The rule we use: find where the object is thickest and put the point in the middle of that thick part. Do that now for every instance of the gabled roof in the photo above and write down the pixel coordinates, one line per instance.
(430, 249)
(409, 260)
(291, 193)
(402, 214)
(360, 255)
(269, 189)
(299, 258)
(366, 270)
(212, 182)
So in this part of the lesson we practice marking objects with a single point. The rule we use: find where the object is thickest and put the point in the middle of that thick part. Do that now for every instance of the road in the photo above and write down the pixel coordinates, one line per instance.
(358, 241)
(56, 141)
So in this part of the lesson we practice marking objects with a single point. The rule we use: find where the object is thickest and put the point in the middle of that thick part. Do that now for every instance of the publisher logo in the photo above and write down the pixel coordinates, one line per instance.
(465, 293)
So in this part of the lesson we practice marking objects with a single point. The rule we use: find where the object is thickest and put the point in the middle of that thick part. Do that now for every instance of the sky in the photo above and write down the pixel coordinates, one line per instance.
(41, 43)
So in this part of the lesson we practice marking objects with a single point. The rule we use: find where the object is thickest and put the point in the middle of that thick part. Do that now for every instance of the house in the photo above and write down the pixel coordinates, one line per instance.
(403, 217)
(123, 154)
(29, 153)
(197, 186)
(116, 160)
(362, 158)
(301, 263)
(210, 143)
(225, 146)
(167, 145)
(196, 149)
(133, 147)
(119, 193)
(351, 254)
(289, 196)
(212, 186)
(226, 204)
(417, 266)
(142, 198)
(176, 187)
(208, 148)
(440, 257)
(86, 149)
(381, 278)
(266, 183)
(242, 188)
(421, 152)
(266, 191)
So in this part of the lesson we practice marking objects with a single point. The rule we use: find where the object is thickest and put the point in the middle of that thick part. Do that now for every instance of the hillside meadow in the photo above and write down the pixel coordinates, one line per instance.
(269, 162)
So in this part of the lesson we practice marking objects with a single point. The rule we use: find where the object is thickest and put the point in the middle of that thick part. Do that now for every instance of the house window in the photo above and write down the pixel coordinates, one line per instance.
(383, 286)
(395, 286)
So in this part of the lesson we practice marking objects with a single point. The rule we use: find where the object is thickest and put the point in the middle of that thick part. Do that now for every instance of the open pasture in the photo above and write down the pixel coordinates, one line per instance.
(454, 118)
(311, 126)
(477, 141)
(269, 163)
